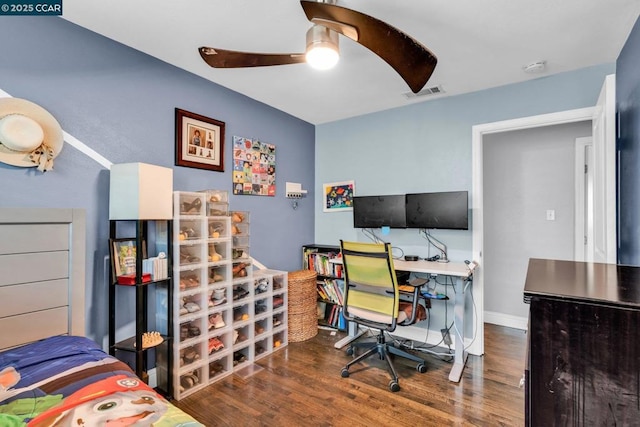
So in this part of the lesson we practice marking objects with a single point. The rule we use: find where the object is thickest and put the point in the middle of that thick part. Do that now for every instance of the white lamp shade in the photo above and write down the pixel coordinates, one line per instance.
(140, 191)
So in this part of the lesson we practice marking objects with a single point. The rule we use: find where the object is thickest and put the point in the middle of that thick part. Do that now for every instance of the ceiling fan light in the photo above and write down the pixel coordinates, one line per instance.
(322, 48)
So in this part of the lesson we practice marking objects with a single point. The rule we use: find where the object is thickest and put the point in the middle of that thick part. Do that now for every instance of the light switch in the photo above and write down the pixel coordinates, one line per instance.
(551, 215)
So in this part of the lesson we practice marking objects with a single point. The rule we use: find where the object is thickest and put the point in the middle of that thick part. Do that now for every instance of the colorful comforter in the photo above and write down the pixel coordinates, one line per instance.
(70, 381)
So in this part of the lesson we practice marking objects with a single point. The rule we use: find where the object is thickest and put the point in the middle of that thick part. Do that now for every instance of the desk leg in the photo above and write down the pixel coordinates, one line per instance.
(354, 333)
(460, 357)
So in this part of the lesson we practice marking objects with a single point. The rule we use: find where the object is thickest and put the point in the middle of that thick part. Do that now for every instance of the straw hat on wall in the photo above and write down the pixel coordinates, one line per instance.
(29, 135)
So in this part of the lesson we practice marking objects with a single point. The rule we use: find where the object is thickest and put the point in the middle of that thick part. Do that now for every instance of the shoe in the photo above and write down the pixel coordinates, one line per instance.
(215, 344)
(239, 293)
(239, 270)
(192, 307)
(261, 286)
(215, 368)
(215, 277)
(219, 301)
(194, 205)
(190, 356)
(188, 380)
(187, 233)
(239, 316)
(239, 358)
(216, 321)
(194, 331)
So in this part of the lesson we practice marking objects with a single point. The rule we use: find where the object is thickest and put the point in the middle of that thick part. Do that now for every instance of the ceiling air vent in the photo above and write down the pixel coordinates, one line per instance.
(433, 90)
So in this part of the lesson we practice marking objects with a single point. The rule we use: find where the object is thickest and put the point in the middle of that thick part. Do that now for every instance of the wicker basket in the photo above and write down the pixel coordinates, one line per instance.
(302, 312)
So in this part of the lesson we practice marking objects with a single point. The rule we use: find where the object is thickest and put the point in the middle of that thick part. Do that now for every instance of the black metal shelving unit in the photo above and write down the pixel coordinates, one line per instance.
(147, 302)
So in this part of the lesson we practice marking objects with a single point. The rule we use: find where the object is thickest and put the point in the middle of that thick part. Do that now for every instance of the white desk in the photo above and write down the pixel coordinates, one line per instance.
(462, 273)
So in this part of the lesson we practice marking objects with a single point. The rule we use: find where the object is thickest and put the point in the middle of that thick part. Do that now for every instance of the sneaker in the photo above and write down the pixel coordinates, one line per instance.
(215, 344)
(216, 321)
(219, 301)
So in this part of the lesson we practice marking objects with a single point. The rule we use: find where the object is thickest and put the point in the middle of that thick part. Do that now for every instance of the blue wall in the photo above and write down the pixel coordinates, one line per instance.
(427, 147)
(121, 103)
(628, 110)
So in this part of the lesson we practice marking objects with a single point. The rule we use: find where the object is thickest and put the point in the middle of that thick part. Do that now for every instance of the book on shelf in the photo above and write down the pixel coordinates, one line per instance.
(331, 290)
(322, 308)
(322, 262)
(321, 292)
(306, 258)
(331, 315)
(156, 267)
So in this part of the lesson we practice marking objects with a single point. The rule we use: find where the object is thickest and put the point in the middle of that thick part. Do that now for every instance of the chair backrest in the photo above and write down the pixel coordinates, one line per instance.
(371, 287)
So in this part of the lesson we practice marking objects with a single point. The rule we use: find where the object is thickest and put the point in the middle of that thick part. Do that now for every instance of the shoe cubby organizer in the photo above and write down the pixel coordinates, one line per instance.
(202, 305)
(226, 314)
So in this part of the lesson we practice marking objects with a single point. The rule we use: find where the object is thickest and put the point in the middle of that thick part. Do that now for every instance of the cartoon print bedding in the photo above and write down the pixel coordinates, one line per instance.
(70, 381)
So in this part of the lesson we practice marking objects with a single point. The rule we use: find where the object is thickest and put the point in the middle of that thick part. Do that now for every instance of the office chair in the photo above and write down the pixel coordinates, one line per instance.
(371, 298)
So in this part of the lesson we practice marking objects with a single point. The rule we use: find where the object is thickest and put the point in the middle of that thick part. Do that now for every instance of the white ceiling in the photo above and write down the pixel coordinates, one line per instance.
(479, 44)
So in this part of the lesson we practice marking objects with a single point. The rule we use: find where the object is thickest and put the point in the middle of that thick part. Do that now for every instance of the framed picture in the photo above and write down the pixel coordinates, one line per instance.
(123, 256)
(338, 196)
(199, 141)
(254, 167)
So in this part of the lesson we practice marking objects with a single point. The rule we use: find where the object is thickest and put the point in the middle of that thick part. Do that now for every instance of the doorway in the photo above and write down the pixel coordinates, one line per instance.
(477, 211)
(529, 210)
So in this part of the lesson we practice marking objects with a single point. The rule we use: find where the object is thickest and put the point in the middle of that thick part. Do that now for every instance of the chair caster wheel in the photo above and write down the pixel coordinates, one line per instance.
(344, 373)
(394, 386)
(350, 351)
(421, 368)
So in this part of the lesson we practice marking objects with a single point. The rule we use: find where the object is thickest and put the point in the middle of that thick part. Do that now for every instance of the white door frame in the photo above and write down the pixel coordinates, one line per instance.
(583, 207)
(478, 132)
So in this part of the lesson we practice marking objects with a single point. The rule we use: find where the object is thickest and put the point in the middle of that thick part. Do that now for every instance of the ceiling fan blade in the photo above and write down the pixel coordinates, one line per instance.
(221, 58)
(414, 62)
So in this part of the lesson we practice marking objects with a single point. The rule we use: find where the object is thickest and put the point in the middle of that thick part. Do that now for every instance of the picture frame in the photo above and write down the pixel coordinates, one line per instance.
(254, 167)
(123, 256)
(199, 141)
(338, 196)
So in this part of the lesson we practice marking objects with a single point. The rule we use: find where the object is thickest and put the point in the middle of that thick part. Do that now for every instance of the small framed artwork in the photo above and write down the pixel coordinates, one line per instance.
(123, 256)
(199, 141)
(338, 196)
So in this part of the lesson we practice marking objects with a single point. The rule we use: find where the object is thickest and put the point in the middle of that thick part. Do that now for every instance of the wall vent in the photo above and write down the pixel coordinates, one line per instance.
(433, 90)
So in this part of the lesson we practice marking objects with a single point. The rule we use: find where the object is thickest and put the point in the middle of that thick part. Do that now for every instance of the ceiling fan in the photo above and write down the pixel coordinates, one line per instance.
(414, 62)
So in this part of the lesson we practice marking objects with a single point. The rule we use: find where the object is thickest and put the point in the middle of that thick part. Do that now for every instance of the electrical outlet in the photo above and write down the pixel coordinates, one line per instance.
(446, 337)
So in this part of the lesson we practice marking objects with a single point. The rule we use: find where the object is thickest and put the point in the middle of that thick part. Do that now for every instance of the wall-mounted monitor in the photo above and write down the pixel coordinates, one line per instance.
(447, 210)
(379, 211)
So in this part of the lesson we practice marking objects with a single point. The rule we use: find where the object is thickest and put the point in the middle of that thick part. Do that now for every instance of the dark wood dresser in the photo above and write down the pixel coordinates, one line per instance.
(583, 366)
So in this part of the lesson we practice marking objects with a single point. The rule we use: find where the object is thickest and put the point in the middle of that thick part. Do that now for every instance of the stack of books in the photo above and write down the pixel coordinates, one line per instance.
(157, 267)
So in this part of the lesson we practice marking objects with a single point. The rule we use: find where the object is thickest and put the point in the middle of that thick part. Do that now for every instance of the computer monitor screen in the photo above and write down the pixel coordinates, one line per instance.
(447, 210)
(379, 211)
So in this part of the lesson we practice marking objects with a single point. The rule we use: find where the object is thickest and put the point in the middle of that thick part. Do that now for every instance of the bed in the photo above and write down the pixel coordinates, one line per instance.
(50, 374)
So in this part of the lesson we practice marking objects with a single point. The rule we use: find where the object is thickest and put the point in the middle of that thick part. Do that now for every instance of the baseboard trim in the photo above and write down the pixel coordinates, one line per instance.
(507, 320)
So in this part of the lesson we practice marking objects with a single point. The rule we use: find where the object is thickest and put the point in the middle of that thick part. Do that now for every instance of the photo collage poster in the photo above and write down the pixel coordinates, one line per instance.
(254, 167)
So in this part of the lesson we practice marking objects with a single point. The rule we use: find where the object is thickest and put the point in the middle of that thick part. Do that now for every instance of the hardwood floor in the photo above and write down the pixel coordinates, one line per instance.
(301, 385)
